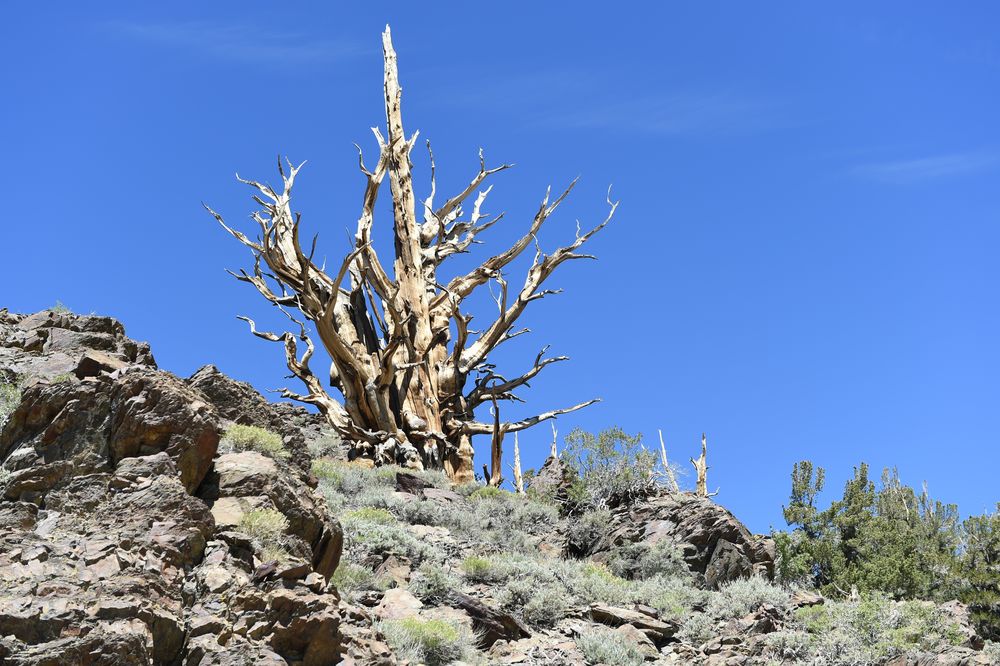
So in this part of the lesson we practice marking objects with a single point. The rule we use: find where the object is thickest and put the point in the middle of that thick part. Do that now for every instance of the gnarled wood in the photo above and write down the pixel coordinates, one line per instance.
(389, 336)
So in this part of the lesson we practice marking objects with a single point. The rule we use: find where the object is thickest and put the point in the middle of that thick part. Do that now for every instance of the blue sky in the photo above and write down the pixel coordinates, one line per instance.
(804, 264)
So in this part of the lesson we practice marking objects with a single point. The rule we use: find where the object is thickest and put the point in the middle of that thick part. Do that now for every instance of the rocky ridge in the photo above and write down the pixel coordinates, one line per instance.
(119, 519)
(123, 539)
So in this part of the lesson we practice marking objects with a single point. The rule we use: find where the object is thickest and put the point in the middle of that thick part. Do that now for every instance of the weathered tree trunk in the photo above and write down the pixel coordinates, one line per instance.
(516, 468)
(700, 468)
(402, 377)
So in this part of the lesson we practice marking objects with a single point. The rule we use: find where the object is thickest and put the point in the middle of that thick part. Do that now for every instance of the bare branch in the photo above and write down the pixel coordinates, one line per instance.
(463, 285)
(540, 270)
(483, 392)
(456, 201)
(667, 470)
(516, 468)
(477, 428)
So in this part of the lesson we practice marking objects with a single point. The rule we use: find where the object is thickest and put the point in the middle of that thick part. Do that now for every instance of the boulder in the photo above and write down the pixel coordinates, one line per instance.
(247, 479)
(51, 344)
(239, 402)
(553, 479)
(658, 631)
(716, 545)
(490, 624)
(90, 426)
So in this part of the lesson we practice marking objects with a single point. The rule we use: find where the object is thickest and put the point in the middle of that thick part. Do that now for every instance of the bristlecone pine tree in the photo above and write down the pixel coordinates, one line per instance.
(402, 373)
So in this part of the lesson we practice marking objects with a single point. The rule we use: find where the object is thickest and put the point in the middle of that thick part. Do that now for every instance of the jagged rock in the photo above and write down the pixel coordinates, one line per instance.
(959, 614)
(659, 632)
(398, 603)
(360, 646)
(412, 484)
(248, 479)
(304, 626)
(716, 544)
(442, 496)
(490, 624)
(553, 479)
(396, 569)
(107, 554)
(803, 598)
(51, 344)
(88, 427)
(239, 402)
(639, 638)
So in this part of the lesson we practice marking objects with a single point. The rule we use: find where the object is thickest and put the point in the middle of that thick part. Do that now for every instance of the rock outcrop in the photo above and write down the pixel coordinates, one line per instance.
(716, 544)
(120, 531)
(51, 344)
(239, 402)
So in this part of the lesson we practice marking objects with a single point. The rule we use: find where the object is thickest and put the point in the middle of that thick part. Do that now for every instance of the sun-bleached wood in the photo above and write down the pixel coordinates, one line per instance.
(401, 347)
(516, 468)
(668, 471)
(701, 469)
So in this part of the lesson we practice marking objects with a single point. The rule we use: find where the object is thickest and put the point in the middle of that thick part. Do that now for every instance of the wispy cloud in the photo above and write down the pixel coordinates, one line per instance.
(672, 113)
(903, 172)
(238, 42)
(572, 99)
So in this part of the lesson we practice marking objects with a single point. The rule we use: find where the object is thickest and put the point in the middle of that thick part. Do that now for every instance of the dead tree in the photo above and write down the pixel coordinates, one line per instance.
(667, 472)
(516, 468)
(701, 469)
(400, 342)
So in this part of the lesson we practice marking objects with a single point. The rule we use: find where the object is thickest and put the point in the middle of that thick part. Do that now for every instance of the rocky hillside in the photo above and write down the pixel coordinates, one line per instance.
(150, 519)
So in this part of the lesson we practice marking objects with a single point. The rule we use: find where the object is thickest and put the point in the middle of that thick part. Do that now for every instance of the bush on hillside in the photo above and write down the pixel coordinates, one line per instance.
(239, 437)
(601, 645)
(10, 397)
(612, 468)
(430, 642)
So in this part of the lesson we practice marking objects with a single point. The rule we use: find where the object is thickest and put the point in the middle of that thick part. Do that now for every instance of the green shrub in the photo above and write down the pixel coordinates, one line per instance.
(5, 475)
(641, 560)
(533, 516)
(10, 397)
(672, 597)
(540, 603)
(466, 489)
(875, 629)
(592, 582)
(264, 525)
(478, 569)
(368, 542)
(433, 583)
(788, 646)
(430, 642)
(327, 445)
(697, 629)
(59, 308)
(421, 513)
(369, 514)
(612, 467)
(600, 645)
(238, 437)
(487, 492)
(349, 579)
(326, 469)
(273, 552)
(585, 530)
(63, 377)
(350, 478)
(740, 597)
